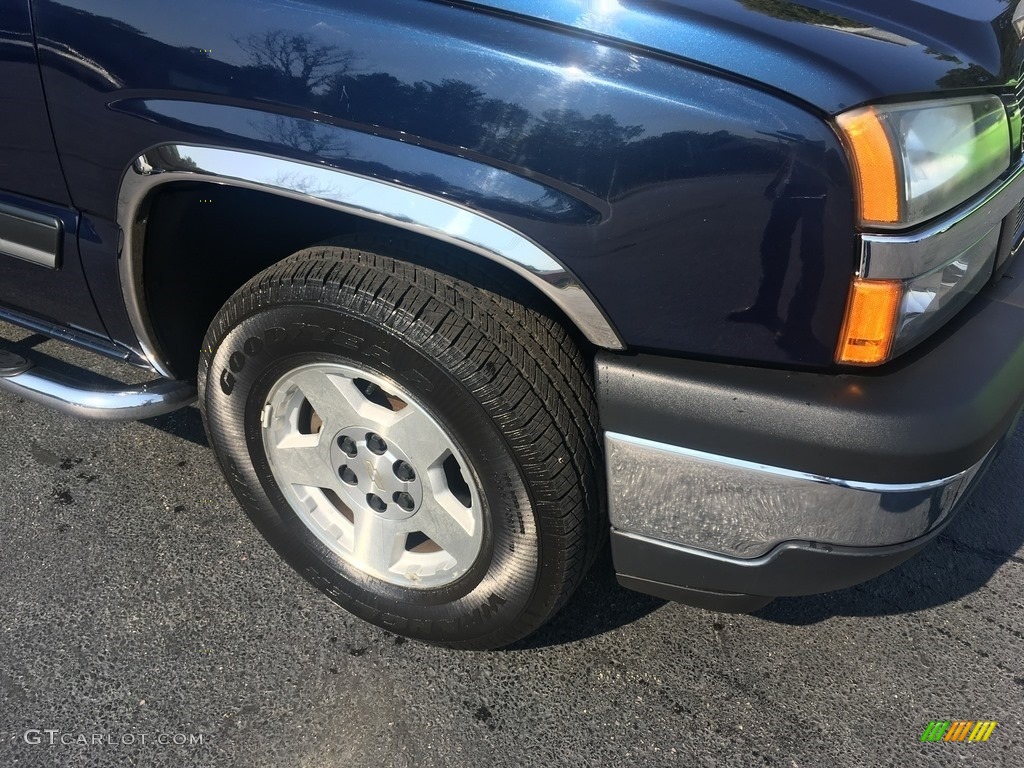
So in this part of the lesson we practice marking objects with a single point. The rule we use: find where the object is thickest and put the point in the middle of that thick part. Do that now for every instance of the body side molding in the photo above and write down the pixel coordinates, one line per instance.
(31, 236)
(349, 193)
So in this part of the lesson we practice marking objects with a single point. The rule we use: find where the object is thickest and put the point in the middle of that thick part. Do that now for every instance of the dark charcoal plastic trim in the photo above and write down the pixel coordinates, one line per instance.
(793, 568)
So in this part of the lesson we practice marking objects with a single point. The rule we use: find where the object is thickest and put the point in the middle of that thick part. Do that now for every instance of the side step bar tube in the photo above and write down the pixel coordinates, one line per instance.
(114, 402)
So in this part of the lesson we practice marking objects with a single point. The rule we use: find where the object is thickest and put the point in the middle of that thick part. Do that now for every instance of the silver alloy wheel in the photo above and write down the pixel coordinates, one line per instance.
(369, 471)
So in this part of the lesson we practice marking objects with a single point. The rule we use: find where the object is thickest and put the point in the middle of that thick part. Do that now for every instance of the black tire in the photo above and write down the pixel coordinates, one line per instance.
(508, 383)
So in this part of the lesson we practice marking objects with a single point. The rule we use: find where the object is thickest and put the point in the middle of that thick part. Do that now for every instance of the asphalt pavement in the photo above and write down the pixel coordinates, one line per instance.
(143, 621)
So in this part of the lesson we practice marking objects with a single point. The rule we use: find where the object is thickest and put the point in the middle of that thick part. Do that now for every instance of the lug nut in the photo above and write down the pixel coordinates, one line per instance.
(347, 475)
(404, 500)
(376, 443)
(403, 471)
(348, 445)
(376, 503)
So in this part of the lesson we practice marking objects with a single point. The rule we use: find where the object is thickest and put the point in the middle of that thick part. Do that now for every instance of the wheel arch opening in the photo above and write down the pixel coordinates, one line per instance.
(203, 241)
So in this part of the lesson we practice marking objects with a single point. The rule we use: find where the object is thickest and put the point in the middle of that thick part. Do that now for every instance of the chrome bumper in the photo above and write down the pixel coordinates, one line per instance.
(743, 509)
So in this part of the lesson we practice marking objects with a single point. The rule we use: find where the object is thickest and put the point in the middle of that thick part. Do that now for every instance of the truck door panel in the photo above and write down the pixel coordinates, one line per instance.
(40, 274)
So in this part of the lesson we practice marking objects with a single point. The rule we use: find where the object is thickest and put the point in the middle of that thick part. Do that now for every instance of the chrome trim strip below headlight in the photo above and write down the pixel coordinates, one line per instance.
(906, 256)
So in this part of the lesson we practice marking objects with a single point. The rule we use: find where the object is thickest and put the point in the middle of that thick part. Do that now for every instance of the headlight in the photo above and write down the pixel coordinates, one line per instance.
(914, 162)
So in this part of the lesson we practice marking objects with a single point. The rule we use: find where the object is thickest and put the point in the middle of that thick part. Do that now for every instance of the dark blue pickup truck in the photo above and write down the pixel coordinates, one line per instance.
(463, 288)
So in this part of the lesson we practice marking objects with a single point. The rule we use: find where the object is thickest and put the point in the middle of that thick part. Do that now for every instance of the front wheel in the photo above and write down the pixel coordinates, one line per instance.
(421, 448)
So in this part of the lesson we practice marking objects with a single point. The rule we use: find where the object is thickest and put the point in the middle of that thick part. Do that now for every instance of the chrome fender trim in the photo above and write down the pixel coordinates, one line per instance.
(350, 193)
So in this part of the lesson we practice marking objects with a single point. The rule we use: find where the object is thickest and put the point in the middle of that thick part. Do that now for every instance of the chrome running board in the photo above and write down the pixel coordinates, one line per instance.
(107, 402)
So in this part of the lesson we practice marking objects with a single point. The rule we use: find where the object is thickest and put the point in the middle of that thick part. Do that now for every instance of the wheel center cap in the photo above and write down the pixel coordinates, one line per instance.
(375, 473)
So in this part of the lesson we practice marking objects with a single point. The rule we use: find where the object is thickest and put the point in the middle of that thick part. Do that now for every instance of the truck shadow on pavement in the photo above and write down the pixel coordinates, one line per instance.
(599, 606)
(186, 424)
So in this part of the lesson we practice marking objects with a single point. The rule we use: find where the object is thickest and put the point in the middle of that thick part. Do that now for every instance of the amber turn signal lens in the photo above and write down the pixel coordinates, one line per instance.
(875, 165)
(870, 325)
